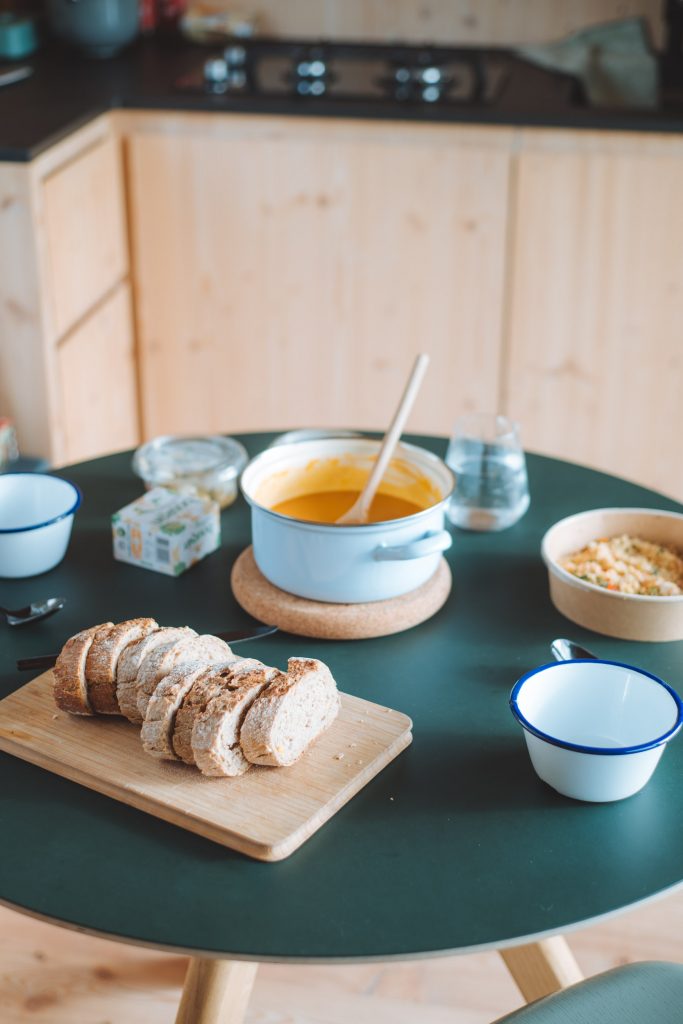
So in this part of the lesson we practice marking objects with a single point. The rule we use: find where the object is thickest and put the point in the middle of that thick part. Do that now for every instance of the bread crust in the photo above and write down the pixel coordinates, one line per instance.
(215, 737)
(157, 728)
(103, 657)
(210, 649)
(207, 686)
(70, 687)
(270, 734)
(131, 660)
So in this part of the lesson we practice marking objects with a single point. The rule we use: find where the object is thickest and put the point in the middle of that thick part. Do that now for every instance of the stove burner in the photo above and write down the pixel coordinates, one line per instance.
(429, 84)
(310, 74)
(229, 73)
(352, 72)
(420, 76)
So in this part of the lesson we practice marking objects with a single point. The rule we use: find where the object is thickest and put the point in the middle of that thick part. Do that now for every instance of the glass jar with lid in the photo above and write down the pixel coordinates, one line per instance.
(208, 466)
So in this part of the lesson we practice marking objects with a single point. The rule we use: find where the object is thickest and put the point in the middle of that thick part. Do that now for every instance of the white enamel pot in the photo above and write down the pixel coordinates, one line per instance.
(346, 564)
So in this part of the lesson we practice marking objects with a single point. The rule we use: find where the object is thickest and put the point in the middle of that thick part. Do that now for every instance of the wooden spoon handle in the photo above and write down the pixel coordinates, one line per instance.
(392, 435)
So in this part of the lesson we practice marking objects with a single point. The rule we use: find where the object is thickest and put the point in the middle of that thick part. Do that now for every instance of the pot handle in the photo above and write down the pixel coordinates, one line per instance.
(430, 544)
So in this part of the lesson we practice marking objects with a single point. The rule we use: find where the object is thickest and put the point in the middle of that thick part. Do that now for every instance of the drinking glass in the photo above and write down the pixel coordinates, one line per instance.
(491, 486)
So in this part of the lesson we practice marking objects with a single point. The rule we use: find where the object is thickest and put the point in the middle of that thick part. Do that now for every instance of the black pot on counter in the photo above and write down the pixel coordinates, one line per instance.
(99, 27)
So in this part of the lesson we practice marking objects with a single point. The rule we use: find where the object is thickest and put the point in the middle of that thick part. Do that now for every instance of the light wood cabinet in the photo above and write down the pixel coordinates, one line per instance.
(97, 381)
(66, 324)
(287, 270)
(85, 232)
(595, 360)
(25, 393)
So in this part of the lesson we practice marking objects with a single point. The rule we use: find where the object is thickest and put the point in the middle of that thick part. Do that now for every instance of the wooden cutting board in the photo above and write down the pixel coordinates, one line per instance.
(266, 813)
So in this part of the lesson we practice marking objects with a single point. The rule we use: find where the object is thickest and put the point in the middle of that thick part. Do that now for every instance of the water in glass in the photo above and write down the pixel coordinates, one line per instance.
(491, 489)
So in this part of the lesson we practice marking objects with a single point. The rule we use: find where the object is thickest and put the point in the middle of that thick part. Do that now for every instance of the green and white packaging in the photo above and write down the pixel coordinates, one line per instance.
(166, 531)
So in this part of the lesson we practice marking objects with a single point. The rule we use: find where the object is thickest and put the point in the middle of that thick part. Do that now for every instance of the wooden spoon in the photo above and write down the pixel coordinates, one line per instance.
(358, 513)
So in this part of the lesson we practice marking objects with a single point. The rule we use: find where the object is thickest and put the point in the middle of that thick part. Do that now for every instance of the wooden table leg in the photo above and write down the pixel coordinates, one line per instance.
(542, 967)
(216, 991)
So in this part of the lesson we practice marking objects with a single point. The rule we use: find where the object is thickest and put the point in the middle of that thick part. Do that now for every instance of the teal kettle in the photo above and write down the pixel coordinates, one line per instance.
(98, 27)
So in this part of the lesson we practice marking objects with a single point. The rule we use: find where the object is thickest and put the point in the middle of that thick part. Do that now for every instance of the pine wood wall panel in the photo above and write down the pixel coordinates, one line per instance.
(595, 359)
(288, 271)
(501, 22)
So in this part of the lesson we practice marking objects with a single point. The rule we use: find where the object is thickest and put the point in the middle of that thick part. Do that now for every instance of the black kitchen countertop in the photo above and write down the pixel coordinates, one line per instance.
(68, 89)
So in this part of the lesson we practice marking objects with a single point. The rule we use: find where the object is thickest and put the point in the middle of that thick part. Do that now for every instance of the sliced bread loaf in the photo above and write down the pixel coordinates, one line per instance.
(100, 667)
(131, 661)
(187, 651)
(215, 737)
(159, 723)
(71, 690)
(206, 687)
(290, 714)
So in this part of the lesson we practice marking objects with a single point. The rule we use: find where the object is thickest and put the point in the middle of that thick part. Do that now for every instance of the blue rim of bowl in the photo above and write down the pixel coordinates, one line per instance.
(556, 742)
(47, 522)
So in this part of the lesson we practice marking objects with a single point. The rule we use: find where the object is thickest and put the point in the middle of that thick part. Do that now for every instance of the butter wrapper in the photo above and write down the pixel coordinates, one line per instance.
(166, 531)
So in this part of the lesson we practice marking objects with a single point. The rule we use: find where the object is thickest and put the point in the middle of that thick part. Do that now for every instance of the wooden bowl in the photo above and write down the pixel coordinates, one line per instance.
(628, 616)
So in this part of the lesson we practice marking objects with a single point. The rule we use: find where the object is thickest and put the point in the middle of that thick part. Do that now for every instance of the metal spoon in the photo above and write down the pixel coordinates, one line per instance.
(567, 650)
(33, 612)
(15, 75)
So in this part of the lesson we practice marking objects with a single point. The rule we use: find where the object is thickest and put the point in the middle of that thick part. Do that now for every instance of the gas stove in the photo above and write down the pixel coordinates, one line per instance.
(312, 71)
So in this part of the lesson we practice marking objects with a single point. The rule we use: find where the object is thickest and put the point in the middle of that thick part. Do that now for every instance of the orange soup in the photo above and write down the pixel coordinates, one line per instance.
(329, 506)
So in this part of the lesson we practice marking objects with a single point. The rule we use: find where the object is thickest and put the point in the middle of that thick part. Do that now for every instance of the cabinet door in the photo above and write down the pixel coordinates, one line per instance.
(85, 233)
(97, 382)
(287, 271)
(595, 361)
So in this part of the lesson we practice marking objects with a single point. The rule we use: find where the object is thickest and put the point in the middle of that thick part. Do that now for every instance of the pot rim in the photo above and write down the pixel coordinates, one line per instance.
(383, 524)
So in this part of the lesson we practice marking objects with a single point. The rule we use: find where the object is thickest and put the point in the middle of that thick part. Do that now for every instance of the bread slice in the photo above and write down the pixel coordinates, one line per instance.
(157, 728)
(290, 714)
(70, 689)
(103, 656)
(131, 660)
(214, 682)
(159, 663)
(216, 731)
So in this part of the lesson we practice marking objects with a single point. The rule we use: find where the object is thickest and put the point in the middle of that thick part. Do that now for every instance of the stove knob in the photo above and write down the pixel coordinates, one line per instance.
(235, 56)
(431, 75)
(215, 71)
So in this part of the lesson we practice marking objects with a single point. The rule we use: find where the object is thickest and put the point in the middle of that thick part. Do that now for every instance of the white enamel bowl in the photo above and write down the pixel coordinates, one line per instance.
(345, 564)
(36, 516)
(595, 730)
(628, 616)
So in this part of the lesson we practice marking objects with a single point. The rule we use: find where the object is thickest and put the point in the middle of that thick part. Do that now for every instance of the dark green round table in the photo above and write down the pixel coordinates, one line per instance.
(455, 846)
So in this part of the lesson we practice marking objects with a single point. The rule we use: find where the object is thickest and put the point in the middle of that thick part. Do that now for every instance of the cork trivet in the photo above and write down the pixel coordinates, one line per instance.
(325, 621)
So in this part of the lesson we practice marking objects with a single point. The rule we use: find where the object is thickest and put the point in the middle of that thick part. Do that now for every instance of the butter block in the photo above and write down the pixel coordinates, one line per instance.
(166, 531)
